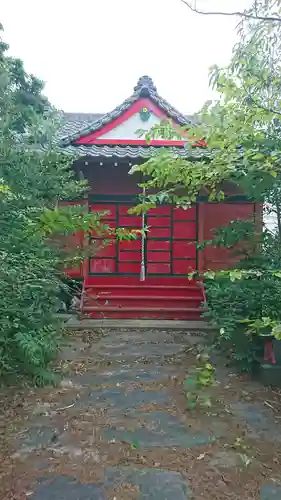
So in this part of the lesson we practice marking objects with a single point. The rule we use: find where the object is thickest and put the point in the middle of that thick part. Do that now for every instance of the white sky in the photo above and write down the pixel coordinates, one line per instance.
(91, 53)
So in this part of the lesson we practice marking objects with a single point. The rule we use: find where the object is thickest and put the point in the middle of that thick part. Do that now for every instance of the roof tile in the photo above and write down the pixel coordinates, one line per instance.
(144, 88)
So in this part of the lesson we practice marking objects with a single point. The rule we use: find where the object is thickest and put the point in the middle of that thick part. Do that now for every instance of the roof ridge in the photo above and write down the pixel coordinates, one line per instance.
(144, 88)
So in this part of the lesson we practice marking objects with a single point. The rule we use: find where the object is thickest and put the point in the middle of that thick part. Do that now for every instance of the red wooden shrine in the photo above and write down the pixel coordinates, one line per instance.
(147, 277)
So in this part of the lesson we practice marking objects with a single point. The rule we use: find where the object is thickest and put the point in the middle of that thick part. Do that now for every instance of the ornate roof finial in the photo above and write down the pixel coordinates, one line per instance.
(146, 84)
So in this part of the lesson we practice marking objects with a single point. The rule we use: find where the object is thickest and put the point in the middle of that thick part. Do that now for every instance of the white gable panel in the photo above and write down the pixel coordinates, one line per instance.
(128, 129)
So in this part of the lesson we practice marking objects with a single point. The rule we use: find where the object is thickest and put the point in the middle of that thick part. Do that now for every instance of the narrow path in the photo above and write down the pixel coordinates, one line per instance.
(117, 428)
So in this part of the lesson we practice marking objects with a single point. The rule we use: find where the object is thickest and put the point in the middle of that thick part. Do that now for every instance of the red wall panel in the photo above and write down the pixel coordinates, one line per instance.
(129, 245)
(221, 214)
(159, 232)
(130, 221)
(109, 212)
(184, 230)
(102, 266)
(74, 241)
(159, 221)
(106, 250)
(159, 256)
(184, 249)
(159, 268)
(128, 256)
(129, 268)
(162, 210)
(184, 265)
(181, 214)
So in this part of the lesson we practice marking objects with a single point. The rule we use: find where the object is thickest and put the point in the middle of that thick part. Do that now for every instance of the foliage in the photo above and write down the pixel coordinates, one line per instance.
(198, 381)
(245, 301)
(34, 179)
(241, 148)
(263, 327)
(36, 228)
(20, 93)
(241, 129)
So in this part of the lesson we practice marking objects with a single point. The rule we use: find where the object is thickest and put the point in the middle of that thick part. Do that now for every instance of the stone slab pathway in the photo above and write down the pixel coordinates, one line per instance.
(117, 428)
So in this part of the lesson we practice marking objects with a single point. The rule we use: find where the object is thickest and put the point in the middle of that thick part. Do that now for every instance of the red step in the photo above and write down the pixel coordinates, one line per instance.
(135, 280)
(99, 303)
(147, 290)
(127, 297)
(108, 300)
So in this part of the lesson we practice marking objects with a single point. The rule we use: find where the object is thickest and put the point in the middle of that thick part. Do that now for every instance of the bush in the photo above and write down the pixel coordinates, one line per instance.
(34, 178)
(254, 296)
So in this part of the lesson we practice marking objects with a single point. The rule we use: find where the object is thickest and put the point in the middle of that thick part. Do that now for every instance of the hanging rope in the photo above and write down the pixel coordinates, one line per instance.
(142, 269)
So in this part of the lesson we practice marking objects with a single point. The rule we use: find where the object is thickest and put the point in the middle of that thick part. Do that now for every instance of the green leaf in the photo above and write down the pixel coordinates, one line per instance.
(136, 445)
(191, 405)
(189, 382)
(276, 331)
(210, 275)
(277, 274)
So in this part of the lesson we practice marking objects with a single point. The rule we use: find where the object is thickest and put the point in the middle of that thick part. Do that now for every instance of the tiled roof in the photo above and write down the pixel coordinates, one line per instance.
(144, 88)
(78, 124)
(116, 151)
(73, 122)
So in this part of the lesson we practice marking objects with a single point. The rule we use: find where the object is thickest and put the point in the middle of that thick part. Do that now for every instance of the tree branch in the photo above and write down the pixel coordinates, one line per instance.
(245, 14)
(260, 106)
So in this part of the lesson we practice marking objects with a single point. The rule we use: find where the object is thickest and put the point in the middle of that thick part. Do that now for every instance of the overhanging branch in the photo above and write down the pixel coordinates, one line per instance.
(245, 14)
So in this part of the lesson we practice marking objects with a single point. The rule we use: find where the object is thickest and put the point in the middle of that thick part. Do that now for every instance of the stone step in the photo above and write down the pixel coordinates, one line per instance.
(148, 324)
(182, 313)
(148, 484)
(118, 400)
(271, 491)
(158, 429)
(124, 376)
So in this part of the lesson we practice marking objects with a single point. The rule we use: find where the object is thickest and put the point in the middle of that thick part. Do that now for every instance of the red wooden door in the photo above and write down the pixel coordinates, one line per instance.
(171, 241)
(169, 248)
(119, 257)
